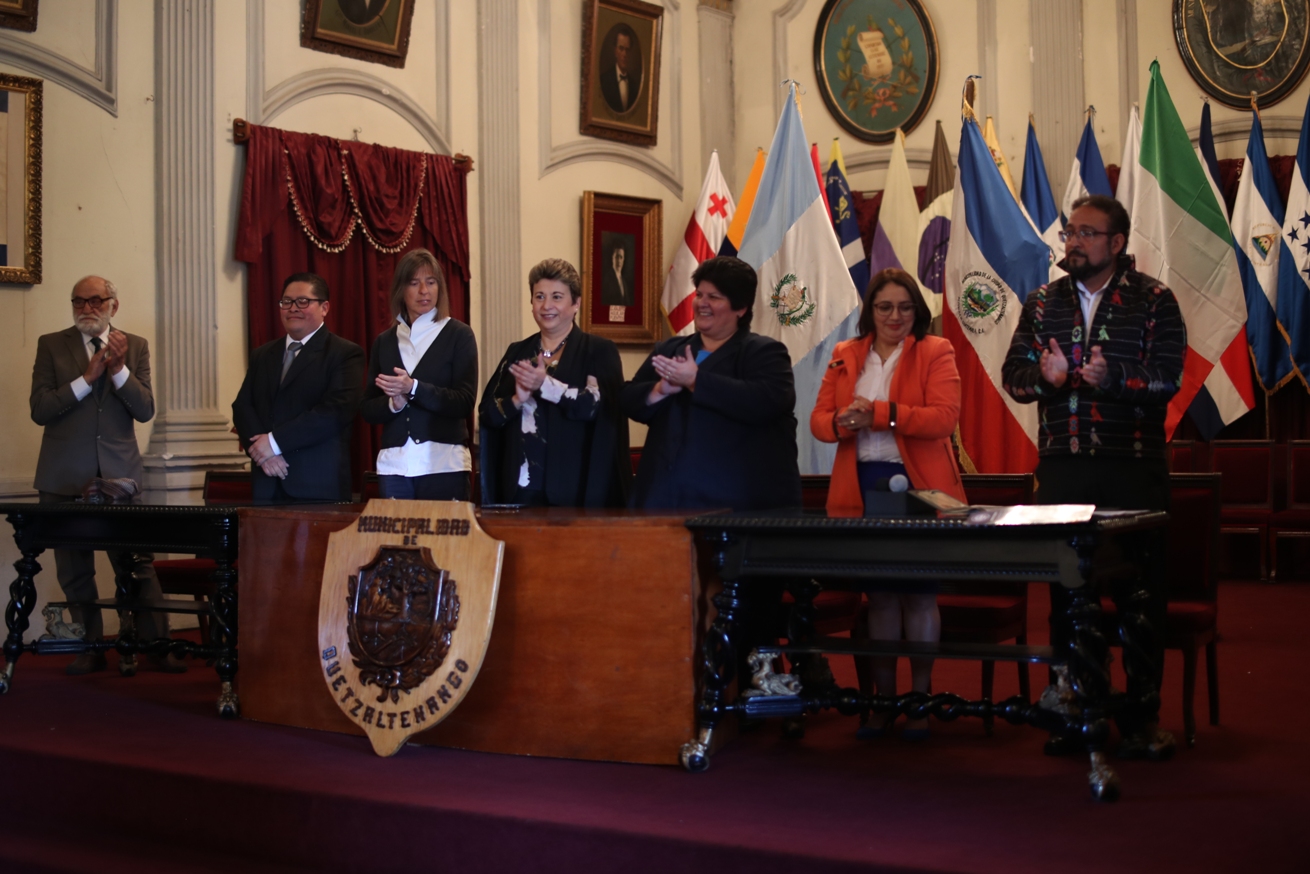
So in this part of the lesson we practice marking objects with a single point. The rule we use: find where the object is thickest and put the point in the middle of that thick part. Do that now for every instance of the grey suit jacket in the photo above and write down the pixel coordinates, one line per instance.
(95, 436)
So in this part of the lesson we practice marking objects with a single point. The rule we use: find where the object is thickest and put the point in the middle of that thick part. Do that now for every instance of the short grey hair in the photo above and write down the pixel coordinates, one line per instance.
(110, 288)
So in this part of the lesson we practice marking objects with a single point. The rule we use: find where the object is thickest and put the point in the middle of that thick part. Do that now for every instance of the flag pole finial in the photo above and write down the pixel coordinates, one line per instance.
(967, 98)
(796, 91)
(1255, 104)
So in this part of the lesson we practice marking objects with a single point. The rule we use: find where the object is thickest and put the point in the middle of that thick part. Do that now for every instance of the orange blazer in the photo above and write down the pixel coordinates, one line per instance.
(926, 390)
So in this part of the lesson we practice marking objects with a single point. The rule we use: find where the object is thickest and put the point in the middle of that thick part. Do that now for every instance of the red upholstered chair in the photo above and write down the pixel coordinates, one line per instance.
(194, 576)
(1248, 492)
(1183, 455)
(1192, 620)
(1291, 524)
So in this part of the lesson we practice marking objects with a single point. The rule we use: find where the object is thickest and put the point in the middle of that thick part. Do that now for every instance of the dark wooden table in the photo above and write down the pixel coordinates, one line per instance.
(754, 552)
(204, 531)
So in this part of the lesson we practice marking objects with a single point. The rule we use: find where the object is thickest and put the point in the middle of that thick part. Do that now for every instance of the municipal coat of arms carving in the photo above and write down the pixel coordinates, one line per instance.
(407, 606)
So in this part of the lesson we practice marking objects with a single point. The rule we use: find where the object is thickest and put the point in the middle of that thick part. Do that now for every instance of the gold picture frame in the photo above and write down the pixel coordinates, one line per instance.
(20, 179)
(366, 30)
(621, 38)
(622, 267)
(19, 14)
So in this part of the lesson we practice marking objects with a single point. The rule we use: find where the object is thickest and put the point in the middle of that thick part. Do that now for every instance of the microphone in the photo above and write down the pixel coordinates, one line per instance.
(896, 483)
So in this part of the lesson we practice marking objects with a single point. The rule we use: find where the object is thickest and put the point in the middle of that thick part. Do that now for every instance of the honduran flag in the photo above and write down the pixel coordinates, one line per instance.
(1036, 196)
(705, 233)
(1294, 263)
(1257, 228)
(1088, 174)
(805, 290)
(841, 210)
(995, 259)
(1180, 235)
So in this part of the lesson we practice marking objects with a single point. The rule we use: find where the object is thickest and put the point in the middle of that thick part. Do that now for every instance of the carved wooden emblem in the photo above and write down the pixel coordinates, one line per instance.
(406, 610)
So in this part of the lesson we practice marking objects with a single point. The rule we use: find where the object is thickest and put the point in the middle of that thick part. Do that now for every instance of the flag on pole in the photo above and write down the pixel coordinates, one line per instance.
(1088, 175)
(705, 233)
(1037, 198)
(1257, 227)
(843, 220)
(1294, 264)
(935, 222)
(1180, 236)
(995, 259)
(896, 235)
(994, 146)
(1209, 160)
(1129, 167)
(805, 291)
(732, 242)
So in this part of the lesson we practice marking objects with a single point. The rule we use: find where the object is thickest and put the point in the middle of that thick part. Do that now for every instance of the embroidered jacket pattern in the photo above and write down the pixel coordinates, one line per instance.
(1140, 330)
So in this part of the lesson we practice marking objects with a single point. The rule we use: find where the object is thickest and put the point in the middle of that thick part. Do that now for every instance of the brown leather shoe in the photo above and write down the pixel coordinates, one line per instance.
(86, 663)
(169, 664)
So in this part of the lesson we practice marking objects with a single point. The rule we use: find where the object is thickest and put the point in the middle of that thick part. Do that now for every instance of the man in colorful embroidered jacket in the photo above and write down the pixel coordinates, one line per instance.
(1100, 351)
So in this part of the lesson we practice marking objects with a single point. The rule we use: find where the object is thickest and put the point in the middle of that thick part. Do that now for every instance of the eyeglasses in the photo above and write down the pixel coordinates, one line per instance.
(299, 303)
(94, 303)
(885, 308)
(1082, 234)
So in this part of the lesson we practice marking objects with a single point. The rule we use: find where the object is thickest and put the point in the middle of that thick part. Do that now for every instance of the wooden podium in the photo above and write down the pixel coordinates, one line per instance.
(593, 654)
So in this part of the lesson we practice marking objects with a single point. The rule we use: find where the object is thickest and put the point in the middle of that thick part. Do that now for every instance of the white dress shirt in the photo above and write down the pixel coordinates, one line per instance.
(421, 459)
(1089, 301)
(622, 78)
(874, 384)
(81, 388)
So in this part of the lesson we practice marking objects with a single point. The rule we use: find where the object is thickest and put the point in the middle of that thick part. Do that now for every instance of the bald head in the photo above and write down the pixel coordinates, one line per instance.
(95, 301)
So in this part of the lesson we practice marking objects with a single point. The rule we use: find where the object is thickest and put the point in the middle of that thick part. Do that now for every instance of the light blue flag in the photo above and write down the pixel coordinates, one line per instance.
(1293, 305)
(1257, 226)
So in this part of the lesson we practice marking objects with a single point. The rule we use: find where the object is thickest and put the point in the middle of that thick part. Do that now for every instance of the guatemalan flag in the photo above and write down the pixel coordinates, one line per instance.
(1294, 263)
(995, 259)
(1257, 226)
(805, 289)
(1088, 174)
(1037, 198)
(702, 239)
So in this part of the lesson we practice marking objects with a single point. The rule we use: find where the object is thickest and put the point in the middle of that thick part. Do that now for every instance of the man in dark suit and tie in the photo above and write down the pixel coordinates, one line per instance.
(90, 385)
(300, 394)
(620, 83)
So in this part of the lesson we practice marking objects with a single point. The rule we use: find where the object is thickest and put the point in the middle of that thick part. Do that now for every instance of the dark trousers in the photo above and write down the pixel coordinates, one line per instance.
(76, 571)
(1122, 484)
(430, 487)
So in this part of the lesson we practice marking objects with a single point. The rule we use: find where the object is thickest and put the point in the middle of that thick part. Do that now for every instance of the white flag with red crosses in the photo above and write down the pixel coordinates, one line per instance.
(704, 236)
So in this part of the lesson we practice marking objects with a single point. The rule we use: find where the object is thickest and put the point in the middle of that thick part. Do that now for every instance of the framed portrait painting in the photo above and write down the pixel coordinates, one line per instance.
(366, 30)
(20, 180)
(18, 14)
(622, 261)
(621, 70)
(876, 63)
(1234, 50)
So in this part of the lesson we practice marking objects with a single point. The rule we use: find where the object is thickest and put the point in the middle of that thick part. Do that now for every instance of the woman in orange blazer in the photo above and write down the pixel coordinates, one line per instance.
(890, 400)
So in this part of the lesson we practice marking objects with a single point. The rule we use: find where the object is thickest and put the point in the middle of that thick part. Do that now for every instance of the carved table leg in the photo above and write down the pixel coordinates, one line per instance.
(22, 598)
(1089, 673)
(126, 591)
(718, 671)
(224, 635)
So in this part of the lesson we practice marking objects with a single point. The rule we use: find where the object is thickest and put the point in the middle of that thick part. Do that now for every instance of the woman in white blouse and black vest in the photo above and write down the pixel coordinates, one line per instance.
(423, 376)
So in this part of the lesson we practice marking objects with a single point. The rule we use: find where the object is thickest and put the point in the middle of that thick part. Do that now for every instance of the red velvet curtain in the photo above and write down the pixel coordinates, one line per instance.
(347, 211)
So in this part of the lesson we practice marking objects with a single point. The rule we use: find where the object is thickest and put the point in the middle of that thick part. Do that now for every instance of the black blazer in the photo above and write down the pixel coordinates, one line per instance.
(447, 377)
(587, 463)
(732, 441)
(308, 413)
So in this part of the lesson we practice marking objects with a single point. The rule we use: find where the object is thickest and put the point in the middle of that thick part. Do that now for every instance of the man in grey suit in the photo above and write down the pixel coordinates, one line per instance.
(90, 385)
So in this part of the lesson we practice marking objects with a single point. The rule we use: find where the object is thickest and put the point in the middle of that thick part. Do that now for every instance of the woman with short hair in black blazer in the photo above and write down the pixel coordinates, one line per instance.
(423, 381)
(719, 404)
(552, 432)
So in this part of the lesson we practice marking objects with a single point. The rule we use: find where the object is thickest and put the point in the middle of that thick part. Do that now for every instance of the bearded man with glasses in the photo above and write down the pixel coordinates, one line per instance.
(1100, 351)
(296, 405)
(90, 386)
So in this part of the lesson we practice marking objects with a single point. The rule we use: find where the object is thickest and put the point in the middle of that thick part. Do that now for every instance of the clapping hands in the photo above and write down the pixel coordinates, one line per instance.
(1055, 366)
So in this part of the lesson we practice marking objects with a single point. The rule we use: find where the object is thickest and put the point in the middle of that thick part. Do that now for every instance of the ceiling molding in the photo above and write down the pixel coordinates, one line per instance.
(98, 85)
(265, 105)
(1275, 126)
(877, 159)
(554, 156)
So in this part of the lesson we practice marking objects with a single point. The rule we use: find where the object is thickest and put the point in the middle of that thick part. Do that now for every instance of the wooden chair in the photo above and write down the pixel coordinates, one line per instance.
(1248, 492)
(1183, 456)
(194, 576)
(1192, 618)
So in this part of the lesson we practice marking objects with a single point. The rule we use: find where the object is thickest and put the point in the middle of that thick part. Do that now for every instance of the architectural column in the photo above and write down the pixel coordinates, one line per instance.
(1058, 102)
(191, 432)
(718, 111)
(502, 279)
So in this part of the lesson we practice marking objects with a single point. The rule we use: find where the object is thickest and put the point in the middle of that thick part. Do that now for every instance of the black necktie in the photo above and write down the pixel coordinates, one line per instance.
(99, 385)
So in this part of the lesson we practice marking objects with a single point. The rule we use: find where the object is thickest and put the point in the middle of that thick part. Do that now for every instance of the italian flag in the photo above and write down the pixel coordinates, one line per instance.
(1180, 235)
